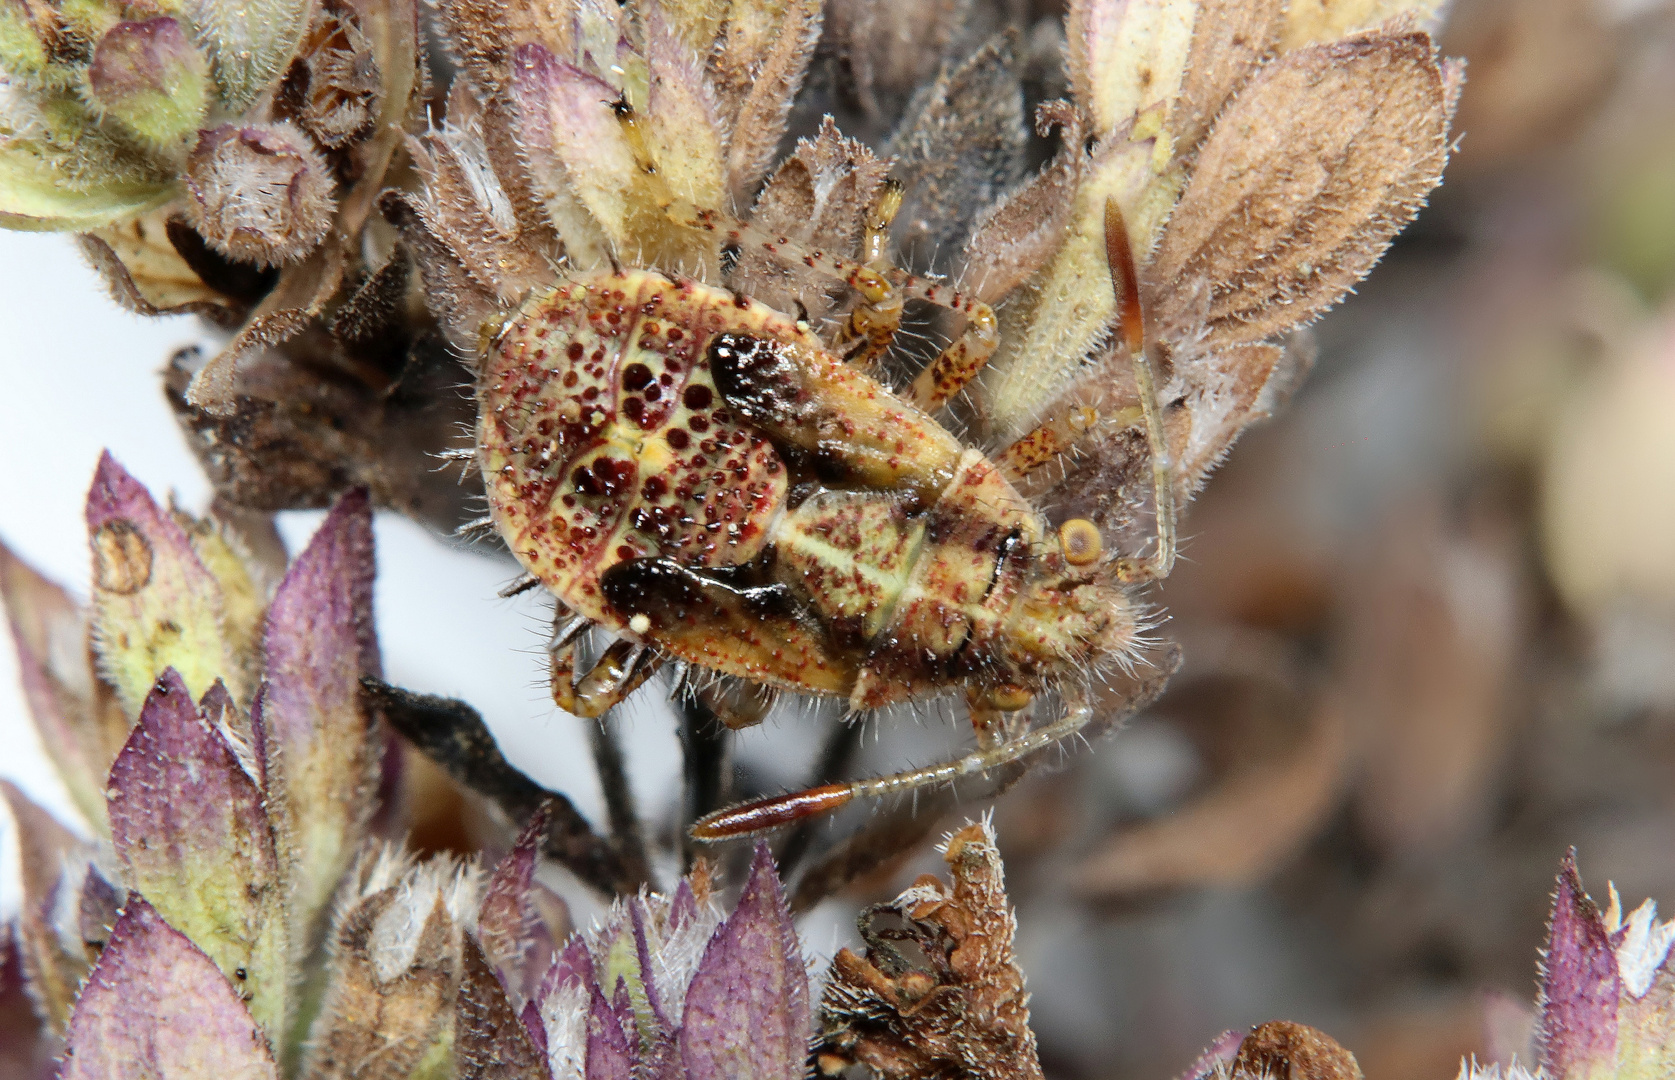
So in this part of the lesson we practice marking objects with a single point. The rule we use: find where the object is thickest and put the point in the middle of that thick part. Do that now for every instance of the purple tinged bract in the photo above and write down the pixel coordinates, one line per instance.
(156, 1007)
(192, 833)
(316, 746)
(747, 1010)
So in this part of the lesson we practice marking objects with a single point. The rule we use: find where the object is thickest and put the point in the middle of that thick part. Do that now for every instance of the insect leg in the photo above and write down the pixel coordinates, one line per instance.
(775, 811)
(615, 675)
(1050, 441)
(965, 356)
(1131, 324)
(871, 327)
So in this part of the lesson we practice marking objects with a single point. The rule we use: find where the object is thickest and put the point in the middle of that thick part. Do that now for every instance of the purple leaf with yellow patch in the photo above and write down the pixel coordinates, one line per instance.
(155, 605)
(315, 739)
(192, 833)
(156, 1007)
(747, 1011)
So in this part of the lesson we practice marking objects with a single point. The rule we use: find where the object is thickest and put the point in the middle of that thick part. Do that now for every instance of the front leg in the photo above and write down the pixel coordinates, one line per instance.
(615, 675)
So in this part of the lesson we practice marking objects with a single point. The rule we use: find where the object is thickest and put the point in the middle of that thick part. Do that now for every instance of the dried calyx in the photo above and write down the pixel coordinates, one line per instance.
(259, 193)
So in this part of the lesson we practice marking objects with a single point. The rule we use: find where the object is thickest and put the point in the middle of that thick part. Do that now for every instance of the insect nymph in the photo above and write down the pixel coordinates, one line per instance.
(707, 479)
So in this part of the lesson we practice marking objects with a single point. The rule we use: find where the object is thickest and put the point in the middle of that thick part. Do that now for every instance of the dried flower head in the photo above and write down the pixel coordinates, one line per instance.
(261, 194)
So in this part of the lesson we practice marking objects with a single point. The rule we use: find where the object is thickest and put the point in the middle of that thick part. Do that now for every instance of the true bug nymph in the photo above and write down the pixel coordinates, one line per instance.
(707, 479)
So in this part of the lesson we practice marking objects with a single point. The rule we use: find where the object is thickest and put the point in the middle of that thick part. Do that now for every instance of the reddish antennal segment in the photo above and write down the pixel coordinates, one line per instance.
(1131, 322)
(761, 815)
(1131, 319)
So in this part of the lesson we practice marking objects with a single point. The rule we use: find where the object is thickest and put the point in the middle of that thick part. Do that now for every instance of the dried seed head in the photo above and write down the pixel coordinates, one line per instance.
(334, 88)
(260, 192)
(151, 79)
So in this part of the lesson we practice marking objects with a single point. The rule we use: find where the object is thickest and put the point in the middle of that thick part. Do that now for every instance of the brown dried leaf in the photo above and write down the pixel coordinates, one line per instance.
(1016, 237)
(493, 1043)
(963, 1011)
(298, 435)
(1281, 1050)
(961, 145)
(1307, 176)
(465, 207)
(461, 304)
(147, 275)
(1230, 39)
(303, 291)
(819, 196)
(887, 48)
(396, 961)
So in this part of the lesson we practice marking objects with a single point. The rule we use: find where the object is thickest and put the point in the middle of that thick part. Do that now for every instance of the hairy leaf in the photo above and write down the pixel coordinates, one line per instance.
(156, 1008)
(492, 1043)
(192, 833)
(819, 196)
(395, 968)
(757, 69)
(747, 1010)
(1580, 985)
(250, 44)
(314, 736)
(1308, 174)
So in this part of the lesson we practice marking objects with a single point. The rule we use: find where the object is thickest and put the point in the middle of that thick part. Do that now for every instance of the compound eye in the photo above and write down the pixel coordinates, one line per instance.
(1080, 541)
